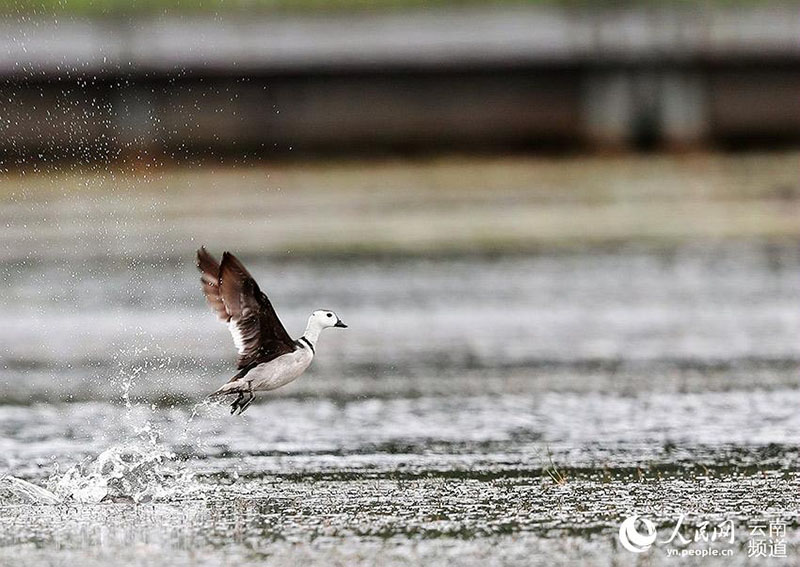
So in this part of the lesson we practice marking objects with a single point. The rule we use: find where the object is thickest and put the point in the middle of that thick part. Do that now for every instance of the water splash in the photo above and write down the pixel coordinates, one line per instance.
(205, 407)
(14, 490)
(136, 472)
(140, 469)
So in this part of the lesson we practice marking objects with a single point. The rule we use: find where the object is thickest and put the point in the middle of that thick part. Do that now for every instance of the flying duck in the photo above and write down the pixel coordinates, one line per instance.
(268, 357)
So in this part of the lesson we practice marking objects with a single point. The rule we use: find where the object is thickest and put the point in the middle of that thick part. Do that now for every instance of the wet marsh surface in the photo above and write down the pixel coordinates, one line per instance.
(482, 409)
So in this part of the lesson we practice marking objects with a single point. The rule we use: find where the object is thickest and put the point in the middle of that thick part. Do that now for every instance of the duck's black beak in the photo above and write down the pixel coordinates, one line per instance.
(340, 324)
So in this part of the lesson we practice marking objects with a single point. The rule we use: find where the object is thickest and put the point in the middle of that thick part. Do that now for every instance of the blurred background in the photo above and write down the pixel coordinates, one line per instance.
(564, 235)
(369, 155)
(170, 80)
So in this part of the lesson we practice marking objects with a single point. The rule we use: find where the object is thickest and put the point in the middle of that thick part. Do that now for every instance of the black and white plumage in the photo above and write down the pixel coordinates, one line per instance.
(268, 357)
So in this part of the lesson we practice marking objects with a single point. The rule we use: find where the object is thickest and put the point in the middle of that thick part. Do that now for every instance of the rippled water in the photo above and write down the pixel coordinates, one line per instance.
(503, 410)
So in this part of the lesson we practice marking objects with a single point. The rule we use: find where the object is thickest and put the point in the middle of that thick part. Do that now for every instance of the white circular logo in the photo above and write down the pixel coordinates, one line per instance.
(632, 540)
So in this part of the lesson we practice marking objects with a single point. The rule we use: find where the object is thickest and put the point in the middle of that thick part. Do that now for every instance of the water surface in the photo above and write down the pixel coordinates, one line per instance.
(509, 409)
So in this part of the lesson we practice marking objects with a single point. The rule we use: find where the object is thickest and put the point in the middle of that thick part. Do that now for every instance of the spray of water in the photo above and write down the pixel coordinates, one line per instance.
(15, 489)
(135, 471)
(140, 469)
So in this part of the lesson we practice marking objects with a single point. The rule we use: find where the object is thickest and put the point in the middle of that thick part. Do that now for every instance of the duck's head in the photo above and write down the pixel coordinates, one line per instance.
(322, 319)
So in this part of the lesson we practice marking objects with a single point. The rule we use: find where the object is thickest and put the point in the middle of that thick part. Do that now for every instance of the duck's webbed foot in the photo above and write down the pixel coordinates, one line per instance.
(237, 403)
(242, 402)
(247, 402)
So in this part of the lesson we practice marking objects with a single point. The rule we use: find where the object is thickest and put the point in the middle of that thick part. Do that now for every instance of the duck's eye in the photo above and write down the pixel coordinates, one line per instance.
(330, 314)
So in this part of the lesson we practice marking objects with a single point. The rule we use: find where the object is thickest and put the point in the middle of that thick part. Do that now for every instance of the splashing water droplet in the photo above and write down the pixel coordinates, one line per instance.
(13, 489)
(129, 472)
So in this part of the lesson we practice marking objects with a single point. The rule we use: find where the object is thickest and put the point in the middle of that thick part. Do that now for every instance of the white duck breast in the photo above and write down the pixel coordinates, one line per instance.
(268, 357)
(280, 371)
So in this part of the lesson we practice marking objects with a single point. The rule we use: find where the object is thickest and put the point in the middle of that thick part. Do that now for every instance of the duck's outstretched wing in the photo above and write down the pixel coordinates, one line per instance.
(209, 276)
(257, 331)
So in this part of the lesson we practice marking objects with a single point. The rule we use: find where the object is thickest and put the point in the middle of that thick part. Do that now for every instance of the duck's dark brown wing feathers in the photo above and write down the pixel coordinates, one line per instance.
(257, 332)
(209, 270)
